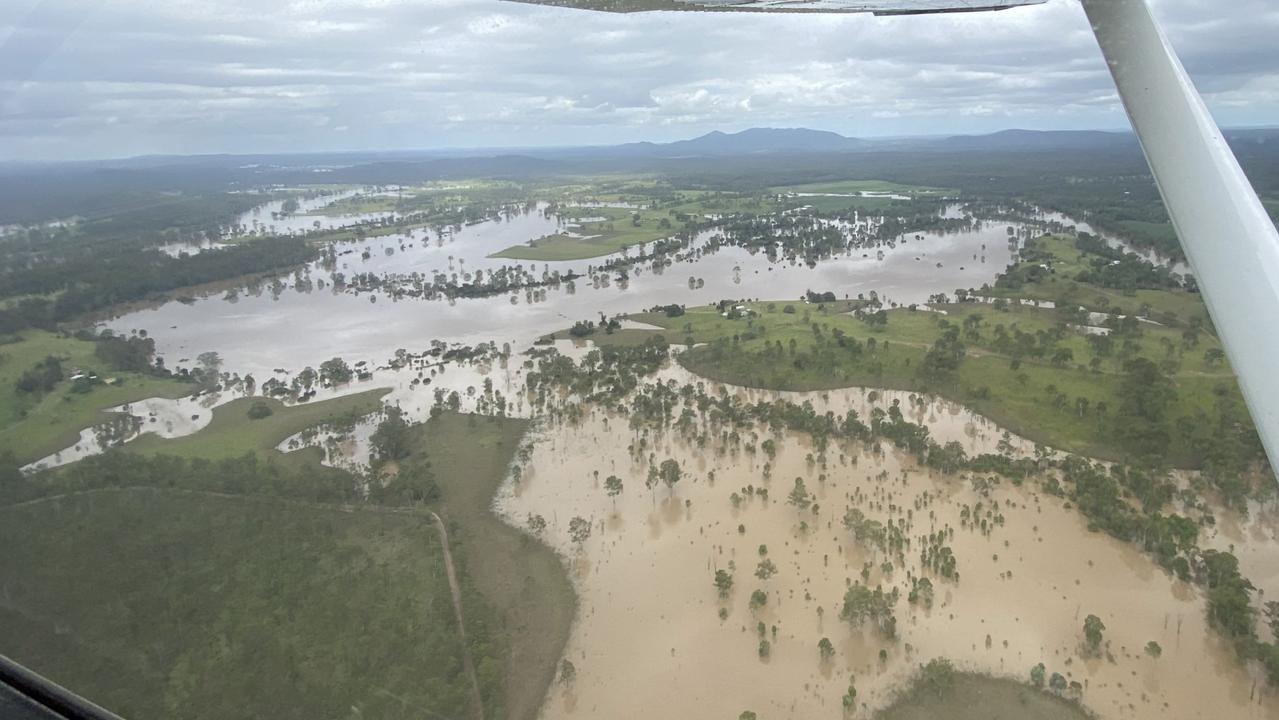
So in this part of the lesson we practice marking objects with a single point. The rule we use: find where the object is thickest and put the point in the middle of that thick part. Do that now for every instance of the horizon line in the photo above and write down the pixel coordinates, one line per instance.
(510, 149)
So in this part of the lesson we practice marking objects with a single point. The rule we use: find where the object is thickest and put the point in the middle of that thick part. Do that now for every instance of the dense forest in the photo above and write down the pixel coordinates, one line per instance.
(68, 281)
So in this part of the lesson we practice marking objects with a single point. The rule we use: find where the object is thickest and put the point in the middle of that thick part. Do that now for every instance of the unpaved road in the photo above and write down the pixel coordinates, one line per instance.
(477, 703)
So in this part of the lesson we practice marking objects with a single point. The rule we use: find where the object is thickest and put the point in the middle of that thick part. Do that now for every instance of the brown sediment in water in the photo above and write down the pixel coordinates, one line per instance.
(648, 640)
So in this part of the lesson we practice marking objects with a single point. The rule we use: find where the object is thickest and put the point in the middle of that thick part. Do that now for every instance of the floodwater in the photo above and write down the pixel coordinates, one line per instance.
(309, 217)
(316, 321)
(648, 640)
(1150, 256)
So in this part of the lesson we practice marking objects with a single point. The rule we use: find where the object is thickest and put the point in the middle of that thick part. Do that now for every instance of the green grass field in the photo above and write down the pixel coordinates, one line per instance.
(599, 237)
(33, 426)
(1059, 288)
(520, 578)
(161, 604)
(232, 433)
(1025, 400)
(980, 697)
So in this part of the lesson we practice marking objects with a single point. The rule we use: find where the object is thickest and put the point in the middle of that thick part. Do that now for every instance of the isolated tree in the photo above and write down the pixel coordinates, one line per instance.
(335, 371)
(536, 523)
(1093, 628)
(747, 715)
(1037, 675)
(1058, 682)
(723, 582)
(825, 648)
(568, 672)
(1153, 649)
(579, 529)
(613, 486)
(759, 599)
(766, 569)
(799, 496)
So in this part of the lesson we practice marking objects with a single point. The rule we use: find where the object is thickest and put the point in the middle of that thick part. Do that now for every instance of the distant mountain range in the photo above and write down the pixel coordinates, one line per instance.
(33, 192)
(717, 144)
(746, 142)
(758, 141)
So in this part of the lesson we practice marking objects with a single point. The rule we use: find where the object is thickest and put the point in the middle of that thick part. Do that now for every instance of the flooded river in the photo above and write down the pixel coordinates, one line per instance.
(249, 328)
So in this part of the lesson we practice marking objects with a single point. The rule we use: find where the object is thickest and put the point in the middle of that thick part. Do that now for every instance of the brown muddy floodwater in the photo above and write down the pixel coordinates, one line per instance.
(649, 642)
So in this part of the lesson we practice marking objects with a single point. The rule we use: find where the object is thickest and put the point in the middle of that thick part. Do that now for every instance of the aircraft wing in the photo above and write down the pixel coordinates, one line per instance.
(878, 7)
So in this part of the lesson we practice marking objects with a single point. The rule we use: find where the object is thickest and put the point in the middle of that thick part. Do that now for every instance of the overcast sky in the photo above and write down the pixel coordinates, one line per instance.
(114, 78)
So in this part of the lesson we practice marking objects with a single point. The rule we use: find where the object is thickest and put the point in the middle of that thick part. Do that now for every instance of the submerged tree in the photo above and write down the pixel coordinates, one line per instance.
(766, 569)
(723, 582)
(921, 591)
(335, 371)
(1093, 628)
(850, 697)
(759, 599)
(1037, 675)
(799, 496)
(861, 604)
(579, 529)
(613, 486)
(670, 473)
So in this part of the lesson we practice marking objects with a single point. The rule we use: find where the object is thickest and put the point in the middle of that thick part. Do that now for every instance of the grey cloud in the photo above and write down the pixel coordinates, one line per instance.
(135, 76)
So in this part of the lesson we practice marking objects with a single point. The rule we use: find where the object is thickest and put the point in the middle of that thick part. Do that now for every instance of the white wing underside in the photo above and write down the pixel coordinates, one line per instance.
(878, 7)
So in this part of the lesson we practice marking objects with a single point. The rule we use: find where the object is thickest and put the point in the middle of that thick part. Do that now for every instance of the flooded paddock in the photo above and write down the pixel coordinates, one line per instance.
(649, 640)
